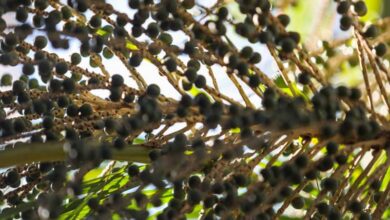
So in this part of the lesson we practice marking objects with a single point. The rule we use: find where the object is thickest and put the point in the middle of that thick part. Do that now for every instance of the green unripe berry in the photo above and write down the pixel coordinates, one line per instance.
(33, 84)
(166, 38)
(66, 12)
(76, 76)
(6, 80)
(107, 53)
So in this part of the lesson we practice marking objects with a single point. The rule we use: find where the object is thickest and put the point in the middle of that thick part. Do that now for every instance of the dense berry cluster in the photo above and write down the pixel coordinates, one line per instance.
(90, 141)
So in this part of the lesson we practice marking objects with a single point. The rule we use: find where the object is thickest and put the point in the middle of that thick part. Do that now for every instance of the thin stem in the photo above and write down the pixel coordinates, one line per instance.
(365, 75)
(282, 70)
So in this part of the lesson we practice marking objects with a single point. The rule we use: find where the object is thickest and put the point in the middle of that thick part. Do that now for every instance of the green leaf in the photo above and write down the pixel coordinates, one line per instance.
(81, 214)
(374, 10)
(262, 87)
(349, 76)
(195, 212)
(300, 17)
(138, 141)
(78, 209)
(235, 130)
(280, 83)
(116, 217)
(386, 180)
(101, 32)
(234, 10)
(92, 174)
(195, 91)
(356, 173)
(131, 46)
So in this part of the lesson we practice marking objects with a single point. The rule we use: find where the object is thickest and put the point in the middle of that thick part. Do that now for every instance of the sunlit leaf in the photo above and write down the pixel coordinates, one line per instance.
(92, 174)
(131, 46)
(374, 10)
